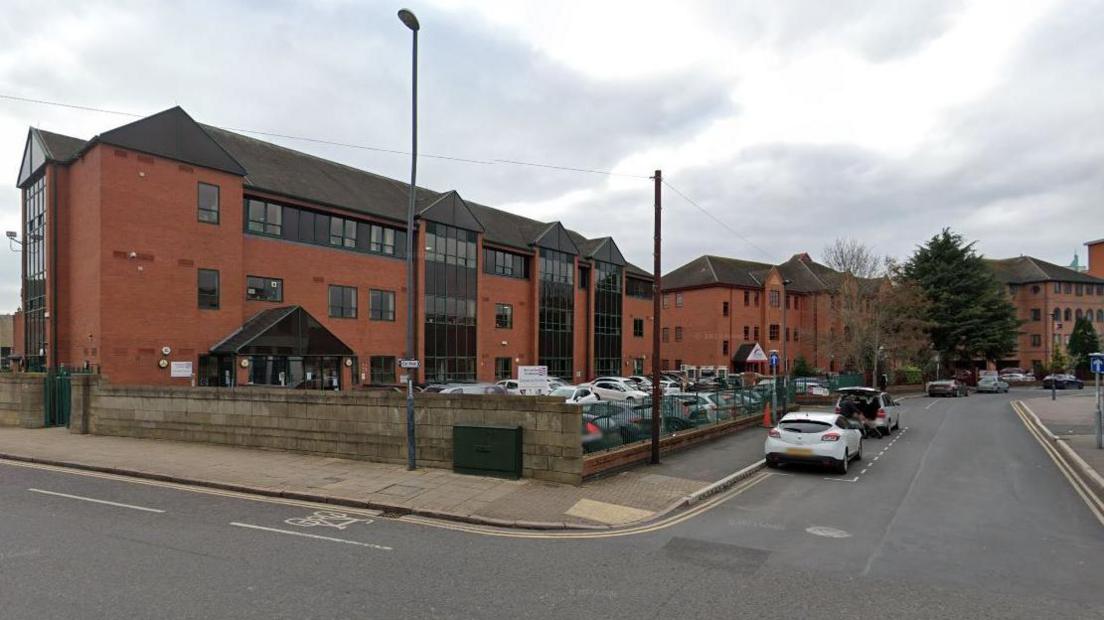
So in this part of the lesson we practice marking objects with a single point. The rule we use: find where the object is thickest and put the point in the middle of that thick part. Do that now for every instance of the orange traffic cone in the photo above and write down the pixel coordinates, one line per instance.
(767, 417)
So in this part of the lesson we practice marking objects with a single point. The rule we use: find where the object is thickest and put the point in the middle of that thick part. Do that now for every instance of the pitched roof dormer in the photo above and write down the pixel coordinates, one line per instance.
(173, 134)
(555, 237)
(451, 210)
(607, 251)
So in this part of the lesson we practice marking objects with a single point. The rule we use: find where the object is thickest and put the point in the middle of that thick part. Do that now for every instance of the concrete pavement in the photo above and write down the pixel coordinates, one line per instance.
(963, 516)
(636, 495)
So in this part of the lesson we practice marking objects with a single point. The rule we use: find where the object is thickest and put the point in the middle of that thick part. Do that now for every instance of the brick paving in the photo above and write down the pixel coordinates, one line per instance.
(385, 486)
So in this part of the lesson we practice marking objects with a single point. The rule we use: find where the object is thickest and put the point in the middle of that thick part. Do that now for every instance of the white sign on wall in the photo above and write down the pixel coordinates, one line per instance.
(533, 379)
(180, 369)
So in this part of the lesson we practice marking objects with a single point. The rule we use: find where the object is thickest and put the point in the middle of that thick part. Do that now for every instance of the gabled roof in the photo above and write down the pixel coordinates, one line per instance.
(451, 210)
(603, 249)
(555, 237)
(174, 135)
(288, 330)
(1025, 269)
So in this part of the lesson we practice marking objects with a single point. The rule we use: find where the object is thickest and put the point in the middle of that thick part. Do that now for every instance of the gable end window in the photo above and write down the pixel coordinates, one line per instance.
(207, 203)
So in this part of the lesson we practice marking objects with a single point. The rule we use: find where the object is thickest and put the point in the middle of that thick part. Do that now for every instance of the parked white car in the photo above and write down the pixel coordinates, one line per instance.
(814, 438)
(513, 387)
(614, 389)
(872, 403)
(575, 395)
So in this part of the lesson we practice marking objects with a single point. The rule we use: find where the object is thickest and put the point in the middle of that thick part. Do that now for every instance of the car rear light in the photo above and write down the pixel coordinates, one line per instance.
(881, 413)
(774, 433)
(592, 428)
(830, 437)
(837, 408)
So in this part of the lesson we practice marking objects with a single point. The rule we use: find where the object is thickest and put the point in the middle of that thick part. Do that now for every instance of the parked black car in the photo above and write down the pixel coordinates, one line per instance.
(1063, 382)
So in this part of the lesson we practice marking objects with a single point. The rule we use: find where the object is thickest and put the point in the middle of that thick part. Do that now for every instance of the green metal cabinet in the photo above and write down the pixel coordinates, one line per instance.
(487, 450)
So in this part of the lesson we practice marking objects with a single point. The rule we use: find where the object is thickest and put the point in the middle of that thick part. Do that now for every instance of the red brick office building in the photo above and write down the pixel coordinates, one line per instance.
(170, 252)
(716, 309)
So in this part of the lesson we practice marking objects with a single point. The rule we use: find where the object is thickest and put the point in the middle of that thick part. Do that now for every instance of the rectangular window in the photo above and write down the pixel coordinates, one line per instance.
(756, 299)
(451, 297)
(264, 217)
(795, 334)
(1036, 340)
(381, 239)
(678, 300)
(504, 316)
(381, 305)
(1079, 290)
(787, 334)
(773, 331)
(641, 289)
(343, 302)
(381, 370)
(1100, 289)
(342, 232)
(665, 364)
(499, 263)
(724, 308)
(638, 328)
(775, 299)
(747, 298)
(504, 368)
(724, 347)
(666, 333)
(1067, 287)
(1057, 287)
(747, 332)
(264, 289)
(787, 301)
(678, 364)
(678, 334)
(208, 287)
(207, 203)
(666, 300)
(584, 278)
(1036, 314)
(757, 333)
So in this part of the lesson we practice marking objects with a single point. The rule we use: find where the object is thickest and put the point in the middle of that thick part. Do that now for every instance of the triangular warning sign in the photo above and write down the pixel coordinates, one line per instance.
(757, 354)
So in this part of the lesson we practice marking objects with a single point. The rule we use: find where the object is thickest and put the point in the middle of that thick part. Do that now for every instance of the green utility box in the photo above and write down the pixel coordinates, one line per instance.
(487, 450)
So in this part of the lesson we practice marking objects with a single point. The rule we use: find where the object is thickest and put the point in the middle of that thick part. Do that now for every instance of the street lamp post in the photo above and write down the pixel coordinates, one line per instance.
(411, 21)
(785, 339)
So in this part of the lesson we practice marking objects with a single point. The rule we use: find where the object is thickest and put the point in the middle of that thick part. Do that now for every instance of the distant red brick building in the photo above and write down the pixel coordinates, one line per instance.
(169, 252)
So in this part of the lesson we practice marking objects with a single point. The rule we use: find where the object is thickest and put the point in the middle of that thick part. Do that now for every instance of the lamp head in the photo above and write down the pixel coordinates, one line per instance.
(407, 16)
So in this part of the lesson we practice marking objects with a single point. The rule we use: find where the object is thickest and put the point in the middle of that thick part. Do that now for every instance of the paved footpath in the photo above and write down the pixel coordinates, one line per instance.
(1070, 418)
(632, 496)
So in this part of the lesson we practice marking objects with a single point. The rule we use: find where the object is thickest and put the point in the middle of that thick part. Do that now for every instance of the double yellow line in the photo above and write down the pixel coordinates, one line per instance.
(1095, 503)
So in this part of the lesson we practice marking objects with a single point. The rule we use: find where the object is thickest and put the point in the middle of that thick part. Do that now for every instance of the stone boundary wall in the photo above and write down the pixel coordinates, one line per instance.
(22, 400)
(356, 425)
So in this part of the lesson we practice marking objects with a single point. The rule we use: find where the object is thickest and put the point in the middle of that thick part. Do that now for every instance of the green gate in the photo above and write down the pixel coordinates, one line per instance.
(58, 397)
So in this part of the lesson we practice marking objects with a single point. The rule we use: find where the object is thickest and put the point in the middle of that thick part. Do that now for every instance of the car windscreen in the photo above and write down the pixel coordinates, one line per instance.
(805, 426)
(564, 392)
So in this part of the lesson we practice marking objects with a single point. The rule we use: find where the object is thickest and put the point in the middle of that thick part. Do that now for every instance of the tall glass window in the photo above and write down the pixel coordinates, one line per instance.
(34, 273)
(607, 319)
(450, 296)
(557, 310)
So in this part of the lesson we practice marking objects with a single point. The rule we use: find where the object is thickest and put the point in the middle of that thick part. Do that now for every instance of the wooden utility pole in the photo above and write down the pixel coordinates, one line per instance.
(657, 292)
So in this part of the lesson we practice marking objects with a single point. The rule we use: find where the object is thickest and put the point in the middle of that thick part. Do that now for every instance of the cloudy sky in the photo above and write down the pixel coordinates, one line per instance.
(792, 122)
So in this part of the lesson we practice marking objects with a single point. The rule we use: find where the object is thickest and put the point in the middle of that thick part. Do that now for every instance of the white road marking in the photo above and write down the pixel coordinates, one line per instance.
(95, 501)
(326, 518)
(930, 406)
(315, 536)
(862, 472)
(877, 457)
(828, 532)
(855, 479)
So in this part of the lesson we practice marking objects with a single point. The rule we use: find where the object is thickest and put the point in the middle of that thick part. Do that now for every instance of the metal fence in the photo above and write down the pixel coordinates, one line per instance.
(844, 381)
(610, 424)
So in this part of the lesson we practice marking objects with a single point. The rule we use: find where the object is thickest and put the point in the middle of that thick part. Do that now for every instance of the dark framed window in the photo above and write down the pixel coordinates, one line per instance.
(584, 278)
(1068, 315)
(787, 334)
(500, 263)
(1079, 290)
(678, 300)
(773, 335)
(678, 334)
(1057, 314)
(207, 203)
(747, 298)
(381, 239)
(381, 369)
(343, 302)
(504, 316)
(747, 332)
(775, 299)
(638, 328)
(1057, 287)
(795, 334)
(504, 368)
(264, 289)
(1036, 340)
(665, 334)
(1036, 314)
(724, 347)
(608, 320)
(1067, 287)
(666, 300)
(264, 218)
(757, 333)
(34, 273)
(724, 308)
(207, 285)
(556, 325)
(343, 232)
(756, 299)
(635, 287)
(381, 305)
(451, 266)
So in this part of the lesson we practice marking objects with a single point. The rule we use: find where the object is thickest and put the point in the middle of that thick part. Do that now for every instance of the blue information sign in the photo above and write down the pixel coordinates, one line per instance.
(1097, 364)
(773, 359)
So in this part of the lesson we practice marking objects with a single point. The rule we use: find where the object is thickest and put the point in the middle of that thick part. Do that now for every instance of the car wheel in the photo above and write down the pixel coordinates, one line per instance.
(772, 464)
(858, 455)
(841, 467)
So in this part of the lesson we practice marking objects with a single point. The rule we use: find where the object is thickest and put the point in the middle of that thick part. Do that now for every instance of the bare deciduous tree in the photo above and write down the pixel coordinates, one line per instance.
(854, 257)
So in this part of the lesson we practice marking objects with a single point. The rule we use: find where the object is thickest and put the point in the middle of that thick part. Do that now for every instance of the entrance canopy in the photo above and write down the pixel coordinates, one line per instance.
(289, 330)
(749, 353)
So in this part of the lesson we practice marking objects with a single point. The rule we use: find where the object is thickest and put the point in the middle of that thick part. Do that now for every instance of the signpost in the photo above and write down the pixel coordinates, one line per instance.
(533, 379)
(1096, 363)
(774, 385)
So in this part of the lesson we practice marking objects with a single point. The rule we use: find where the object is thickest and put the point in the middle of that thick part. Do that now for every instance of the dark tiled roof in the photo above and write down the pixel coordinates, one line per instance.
(707, 270)
(1024, 269)
(174, 135)
(255, 326)
(288, 330)
(282, 171)
(59, 147)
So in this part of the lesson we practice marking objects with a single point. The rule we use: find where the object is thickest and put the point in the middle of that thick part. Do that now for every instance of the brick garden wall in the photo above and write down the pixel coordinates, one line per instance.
(356, 425)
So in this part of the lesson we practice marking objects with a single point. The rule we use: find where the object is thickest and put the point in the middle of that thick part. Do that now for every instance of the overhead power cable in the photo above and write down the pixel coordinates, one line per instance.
(719, 221)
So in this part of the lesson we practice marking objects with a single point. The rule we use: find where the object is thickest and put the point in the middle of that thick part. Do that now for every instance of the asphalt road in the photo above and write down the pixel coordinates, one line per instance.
(961, 516)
